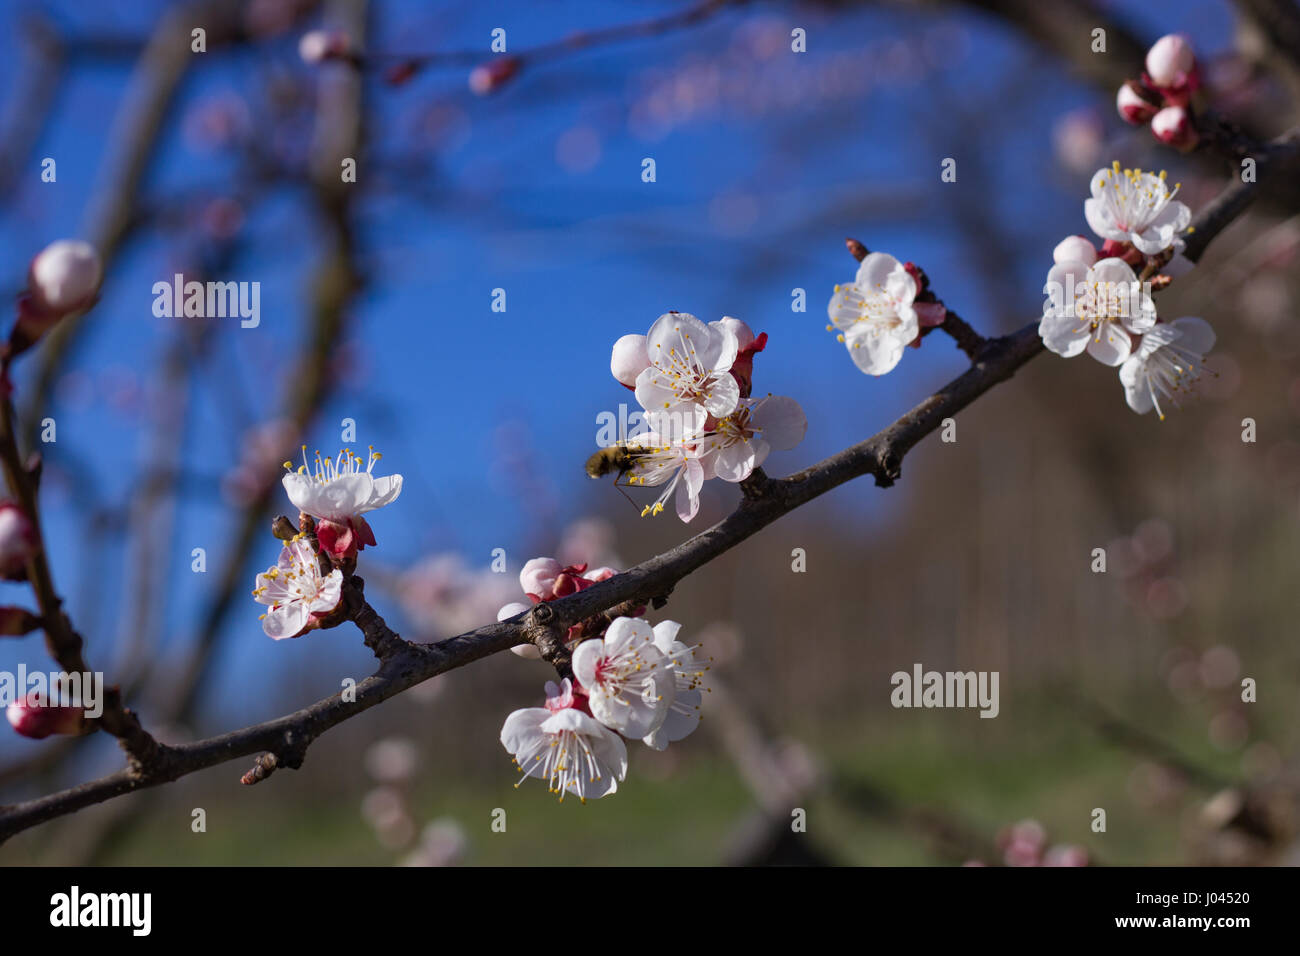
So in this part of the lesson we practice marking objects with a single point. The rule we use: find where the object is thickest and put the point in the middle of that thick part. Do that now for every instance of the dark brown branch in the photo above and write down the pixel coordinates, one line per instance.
(1280, 156)
(63, 642)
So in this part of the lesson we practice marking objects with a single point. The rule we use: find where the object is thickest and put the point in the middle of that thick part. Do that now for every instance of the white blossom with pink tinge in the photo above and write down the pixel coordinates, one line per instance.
(875, 313)
(1167, 363)
(683, 714)
(682, 465)
(1096, 308)
(746, 436)
(296, 592)
(689, 367)
(1133, 205)
(565, 746)
(628, 680)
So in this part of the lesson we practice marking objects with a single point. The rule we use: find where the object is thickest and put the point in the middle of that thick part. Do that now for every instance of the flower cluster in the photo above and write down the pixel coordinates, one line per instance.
(1163, 97)
(304, 588)
(1097, 304)
(882, 311)
(694, 382)
(635, 682)
(545, 579)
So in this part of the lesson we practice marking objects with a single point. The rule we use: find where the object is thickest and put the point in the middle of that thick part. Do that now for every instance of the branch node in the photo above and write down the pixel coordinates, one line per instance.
(262, 768)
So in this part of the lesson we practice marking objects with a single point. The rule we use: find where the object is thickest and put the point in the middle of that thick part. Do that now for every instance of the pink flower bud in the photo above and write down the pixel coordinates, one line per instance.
(31, 718)
(1173, 126)
(571, 581)
(744, 334)
(17, 541)
(1170, 61)
(538, 578)
(492, 75)
(317, 46)
(629, 359)
(64, 276)
(1136, 104)
(1074, 249)
(600, 574)
(342, 540)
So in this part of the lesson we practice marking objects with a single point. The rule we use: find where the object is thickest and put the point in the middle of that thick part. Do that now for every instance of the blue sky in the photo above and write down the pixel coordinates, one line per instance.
(538, 191)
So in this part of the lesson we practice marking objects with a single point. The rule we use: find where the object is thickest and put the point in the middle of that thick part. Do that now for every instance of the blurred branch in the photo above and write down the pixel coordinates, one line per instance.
(1278, 22)
(157, 77)
(1138, 740)
(30, 99)
(546, 52)
(1281, 154)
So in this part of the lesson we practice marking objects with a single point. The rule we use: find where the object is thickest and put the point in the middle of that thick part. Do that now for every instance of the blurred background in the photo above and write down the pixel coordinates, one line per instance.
(1120, 690)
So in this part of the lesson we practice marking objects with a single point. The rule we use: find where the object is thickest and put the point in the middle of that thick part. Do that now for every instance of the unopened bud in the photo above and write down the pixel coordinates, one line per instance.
(1170, 61)
(34, 718)
(538, 577)
(1173, 126)
(64, 276)
(629, 359)
(1136, 104)
(1075, 249)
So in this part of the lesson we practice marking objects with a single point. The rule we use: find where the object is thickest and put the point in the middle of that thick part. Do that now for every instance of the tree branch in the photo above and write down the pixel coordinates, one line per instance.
(403, 665)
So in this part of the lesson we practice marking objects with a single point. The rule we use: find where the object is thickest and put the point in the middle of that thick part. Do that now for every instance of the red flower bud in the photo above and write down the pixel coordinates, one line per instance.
(1173, 126)
(1136, 103)
(33, 718)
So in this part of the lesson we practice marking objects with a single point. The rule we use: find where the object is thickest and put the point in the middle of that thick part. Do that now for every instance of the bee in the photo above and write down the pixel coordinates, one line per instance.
(618, 458)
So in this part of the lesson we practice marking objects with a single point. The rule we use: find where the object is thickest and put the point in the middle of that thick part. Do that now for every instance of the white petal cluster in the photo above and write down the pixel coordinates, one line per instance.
(635, 682)
(692, 381)
(1096, 303)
